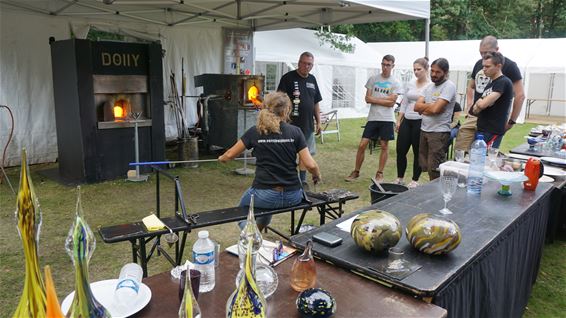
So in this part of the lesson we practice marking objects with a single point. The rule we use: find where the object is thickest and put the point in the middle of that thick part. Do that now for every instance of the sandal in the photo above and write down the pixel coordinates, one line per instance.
(379, 176)
(354, 175)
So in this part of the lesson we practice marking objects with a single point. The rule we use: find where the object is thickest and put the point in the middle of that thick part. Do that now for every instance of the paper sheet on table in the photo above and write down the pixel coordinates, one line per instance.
(265, 256)
(346, 225)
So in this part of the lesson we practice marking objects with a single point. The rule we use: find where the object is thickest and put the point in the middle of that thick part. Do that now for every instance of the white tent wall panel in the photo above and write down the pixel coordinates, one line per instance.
(26, 85)
(549, 94)
(201, 49)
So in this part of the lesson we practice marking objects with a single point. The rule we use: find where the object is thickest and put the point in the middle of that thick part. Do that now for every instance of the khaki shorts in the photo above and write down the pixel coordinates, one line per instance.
(467, 134)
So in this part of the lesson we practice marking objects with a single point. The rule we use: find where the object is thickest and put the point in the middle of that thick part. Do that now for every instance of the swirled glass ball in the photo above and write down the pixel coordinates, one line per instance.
(376, 230)
(433, 234)
(316, 302)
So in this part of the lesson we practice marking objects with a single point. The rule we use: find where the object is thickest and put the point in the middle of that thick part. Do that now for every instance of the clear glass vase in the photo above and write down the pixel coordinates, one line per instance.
(80, 245)
(250, 233)
(28, 218)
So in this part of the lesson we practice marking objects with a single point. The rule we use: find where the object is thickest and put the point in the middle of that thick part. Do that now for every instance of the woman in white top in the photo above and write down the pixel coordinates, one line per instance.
(408, 124)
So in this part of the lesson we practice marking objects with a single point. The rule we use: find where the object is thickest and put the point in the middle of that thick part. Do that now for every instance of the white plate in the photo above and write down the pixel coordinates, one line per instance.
(554, 172)
(557, 161)
(518, 156)
(546, 179)
(104, 292)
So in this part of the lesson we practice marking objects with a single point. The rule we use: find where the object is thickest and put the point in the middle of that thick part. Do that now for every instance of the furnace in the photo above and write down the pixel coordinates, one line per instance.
(232, 107)
(99, 88)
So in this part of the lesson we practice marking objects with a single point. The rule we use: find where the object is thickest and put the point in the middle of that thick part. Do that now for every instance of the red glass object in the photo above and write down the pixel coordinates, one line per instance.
(533, 170)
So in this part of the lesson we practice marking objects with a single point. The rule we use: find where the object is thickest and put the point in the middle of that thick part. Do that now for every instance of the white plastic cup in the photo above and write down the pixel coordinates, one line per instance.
(127, 289)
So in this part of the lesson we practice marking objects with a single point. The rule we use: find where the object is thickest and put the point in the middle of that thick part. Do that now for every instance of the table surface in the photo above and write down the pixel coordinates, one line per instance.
(524, 150)
(355, 296)
(482, 219)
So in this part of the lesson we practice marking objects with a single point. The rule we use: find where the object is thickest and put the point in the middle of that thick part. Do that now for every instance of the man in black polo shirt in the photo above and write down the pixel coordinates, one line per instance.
(492, 108)
(302, 89)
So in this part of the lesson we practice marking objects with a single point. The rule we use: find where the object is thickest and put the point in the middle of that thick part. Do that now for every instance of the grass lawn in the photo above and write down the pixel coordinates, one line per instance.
(207, 187)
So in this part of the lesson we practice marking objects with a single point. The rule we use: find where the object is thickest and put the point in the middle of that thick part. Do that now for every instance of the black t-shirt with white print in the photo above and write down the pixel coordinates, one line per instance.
(494, 118)
(276, 156)
(509, 69)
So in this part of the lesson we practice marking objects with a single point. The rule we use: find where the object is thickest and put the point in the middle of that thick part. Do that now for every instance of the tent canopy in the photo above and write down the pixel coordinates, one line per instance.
(286, 46)
(253, 14)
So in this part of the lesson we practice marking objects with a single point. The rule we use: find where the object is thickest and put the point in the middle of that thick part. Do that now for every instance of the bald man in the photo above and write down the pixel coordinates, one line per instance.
(476, 86)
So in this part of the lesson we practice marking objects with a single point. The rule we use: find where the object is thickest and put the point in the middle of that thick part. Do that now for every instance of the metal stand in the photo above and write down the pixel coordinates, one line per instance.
(7, 180)
(138, 177)
(245, 171)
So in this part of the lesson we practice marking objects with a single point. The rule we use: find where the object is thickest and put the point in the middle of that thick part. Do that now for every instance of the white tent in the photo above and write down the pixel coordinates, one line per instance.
(541, 62)
(340, 76)
(191, 29)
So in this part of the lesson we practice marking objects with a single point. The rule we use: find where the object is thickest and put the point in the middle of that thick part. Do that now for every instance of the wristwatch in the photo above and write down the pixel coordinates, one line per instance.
(511, 122)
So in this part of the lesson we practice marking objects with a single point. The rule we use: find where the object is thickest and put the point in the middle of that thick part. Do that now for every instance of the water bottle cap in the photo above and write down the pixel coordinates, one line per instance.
(203, 234)
(479, 137)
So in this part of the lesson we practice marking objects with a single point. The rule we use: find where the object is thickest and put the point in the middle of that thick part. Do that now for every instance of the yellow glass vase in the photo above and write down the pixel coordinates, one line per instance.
(28, 216)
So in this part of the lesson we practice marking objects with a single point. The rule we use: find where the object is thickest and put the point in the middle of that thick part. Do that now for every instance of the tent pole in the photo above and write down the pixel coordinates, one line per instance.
(427, 36)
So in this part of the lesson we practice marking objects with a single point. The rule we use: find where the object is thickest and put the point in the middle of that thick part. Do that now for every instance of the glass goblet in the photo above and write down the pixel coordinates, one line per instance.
(459, 155)
(448, 185)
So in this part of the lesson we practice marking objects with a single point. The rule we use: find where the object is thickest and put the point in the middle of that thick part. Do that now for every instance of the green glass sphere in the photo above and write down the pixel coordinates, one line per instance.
(376, 230)
(433, 234)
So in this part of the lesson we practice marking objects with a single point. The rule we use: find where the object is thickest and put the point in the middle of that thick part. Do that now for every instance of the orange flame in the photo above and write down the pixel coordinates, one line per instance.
(253, 94)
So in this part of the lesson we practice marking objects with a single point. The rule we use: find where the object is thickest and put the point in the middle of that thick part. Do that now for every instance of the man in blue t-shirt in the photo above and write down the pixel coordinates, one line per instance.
(492, 108)
(302, 89)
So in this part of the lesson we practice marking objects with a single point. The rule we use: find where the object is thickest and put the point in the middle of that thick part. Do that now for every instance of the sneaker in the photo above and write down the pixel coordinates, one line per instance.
(399, 181)
(413, 184)
(379, 177)
(353, 176)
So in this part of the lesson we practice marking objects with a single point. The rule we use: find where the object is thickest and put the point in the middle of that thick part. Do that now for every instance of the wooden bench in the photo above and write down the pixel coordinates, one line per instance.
(182, 223)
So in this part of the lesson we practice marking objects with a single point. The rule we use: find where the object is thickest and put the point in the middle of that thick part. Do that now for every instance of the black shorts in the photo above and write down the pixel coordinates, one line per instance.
(383, 130)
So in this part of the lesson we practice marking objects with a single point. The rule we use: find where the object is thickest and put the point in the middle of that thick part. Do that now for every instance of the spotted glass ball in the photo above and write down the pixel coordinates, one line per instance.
(316, 303)
(433, 234)
(376, 230)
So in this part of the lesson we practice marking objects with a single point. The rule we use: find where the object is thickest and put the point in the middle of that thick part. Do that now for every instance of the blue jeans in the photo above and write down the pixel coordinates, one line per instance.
(269, 199)
(487, 137)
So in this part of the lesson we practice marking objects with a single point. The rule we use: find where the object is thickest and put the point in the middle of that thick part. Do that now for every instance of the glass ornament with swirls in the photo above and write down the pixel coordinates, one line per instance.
(80, 245)
(28, 217)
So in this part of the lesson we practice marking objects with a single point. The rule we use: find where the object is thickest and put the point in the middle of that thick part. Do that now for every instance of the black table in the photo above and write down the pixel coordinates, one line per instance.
(492, 271)
(557, 217)
(524, 150)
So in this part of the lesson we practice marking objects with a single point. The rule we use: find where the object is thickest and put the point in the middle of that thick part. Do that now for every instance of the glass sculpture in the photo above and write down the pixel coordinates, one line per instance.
(28, 217)
(80, 245)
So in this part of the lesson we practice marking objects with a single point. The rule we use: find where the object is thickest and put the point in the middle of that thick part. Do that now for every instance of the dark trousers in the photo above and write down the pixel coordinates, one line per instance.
(409, 135)
(432, 151)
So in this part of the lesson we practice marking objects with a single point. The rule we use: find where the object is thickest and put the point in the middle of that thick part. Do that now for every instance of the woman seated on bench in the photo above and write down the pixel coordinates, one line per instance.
(275, 146)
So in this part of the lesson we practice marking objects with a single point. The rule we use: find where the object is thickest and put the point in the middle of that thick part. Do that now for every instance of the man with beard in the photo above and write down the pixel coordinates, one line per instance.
(492, 108)
(302, 89)
(476, 86)
(436, 105)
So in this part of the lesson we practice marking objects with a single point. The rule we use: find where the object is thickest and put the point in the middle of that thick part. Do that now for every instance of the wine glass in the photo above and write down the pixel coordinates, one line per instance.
(459, 155)
(448, 185)
(492, 156)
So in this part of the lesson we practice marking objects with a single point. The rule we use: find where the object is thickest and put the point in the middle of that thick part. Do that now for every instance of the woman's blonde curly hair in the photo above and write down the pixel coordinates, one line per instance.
(276, 108)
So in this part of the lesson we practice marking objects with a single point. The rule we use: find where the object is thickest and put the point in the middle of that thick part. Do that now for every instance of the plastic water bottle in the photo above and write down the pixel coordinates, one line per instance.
(127, 289)
(203, 258)
(477, 165)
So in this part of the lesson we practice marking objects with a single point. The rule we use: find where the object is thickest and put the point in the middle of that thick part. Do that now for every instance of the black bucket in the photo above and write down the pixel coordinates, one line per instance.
(391, 189)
